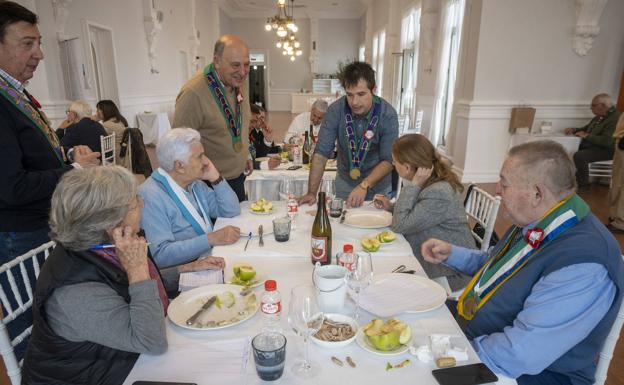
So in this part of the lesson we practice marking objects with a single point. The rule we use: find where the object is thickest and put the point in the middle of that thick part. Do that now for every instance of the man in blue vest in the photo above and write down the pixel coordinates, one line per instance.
(542, 301)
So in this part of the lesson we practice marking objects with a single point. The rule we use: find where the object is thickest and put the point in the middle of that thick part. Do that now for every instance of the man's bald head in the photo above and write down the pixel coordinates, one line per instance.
(231, 60)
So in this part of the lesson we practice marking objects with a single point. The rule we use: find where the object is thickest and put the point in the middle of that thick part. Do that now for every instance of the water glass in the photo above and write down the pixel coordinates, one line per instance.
(359, 277)
(287, 188)
(269, 350)
(327, 186)
(335, 208)
(281, 229)
(305, 317)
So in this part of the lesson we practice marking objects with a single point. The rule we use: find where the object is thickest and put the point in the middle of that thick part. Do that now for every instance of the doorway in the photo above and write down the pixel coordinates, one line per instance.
(101, 57)
(258, 79)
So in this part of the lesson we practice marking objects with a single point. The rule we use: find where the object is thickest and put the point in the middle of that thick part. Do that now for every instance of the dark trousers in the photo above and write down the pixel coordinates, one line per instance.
(238, 185)
(544, 378)
(12, 245)
(583, 157)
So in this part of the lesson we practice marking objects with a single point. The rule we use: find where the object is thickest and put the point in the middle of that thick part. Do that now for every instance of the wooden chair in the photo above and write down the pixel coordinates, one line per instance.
(107, 144)
(13, 368)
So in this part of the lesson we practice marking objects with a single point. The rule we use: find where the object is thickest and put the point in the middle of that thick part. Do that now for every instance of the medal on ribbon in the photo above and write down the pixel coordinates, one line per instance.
(358, 147)
(233, 120)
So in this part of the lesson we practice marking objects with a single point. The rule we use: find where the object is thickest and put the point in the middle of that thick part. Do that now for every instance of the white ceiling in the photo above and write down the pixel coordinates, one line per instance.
(334, 9)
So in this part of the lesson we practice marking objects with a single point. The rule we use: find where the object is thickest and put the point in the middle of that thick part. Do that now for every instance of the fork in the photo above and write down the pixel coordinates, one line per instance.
(260, 232)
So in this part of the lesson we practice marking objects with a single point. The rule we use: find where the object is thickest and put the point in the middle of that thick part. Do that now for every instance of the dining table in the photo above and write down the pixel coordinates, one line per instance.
(266, 183)
(224, 356)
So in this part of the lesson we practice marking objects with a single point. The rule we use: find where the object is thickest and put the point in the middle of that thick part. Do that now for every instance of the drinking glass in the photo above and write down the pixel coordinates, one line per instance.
(305, 317)
(359, 277)
(287, 188)
(281, 229)
(269, 350)
(327, 186)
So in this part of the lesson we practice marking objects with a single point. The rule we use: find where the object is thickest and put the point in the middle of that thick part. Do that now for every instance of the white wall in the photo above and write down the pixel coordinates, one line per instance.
(521, 53)
(139, 89)
(338, 41)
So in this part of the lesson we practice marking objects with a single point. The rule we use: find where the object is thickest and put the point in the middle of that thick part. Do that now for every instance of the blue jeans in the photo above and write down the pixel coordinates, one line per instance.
(12, 245)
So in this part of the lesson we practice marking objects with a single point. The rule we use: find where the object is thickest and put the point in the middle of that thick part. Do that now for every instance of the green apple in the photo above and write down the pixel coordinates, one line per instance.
(386, 236)
(387, 335)
(387, 341)
(370, 244)
(244, 272)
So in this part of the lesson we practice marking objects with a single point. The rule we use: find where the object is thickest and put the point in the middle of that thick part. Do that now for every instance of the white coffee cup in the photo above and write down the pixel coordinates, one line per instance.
(330, 284)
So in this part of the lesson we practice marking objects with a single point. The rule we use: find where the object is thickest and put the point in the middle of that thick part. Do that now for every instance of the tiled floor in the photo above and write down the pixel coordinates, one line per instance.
(596, 198)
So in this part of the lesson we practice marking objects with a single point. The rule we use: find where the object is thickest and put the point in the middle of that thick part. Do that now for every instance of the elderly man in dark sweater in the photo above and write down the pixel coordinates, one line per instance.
(32, 160)
(80, 129)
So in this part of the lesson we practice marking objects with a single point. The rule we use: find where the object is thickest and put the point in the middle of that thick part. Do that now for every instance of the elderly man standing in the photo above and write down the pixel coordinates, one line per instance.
(302, 122)
(542, 301)
(80, 128)
(215, 103)
(179, 205)
(597, 138)
(364, 127)
(32, 160)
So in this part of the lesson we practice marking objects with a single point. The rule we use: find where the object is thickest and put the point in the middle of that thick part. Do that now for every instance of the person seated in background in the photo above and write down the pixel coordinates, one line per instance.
(616, 192)
(179, 205)
(302, 122)
(597, 138)
(261, 141)
(96, 308)
(429, 205)
(113, 122)
(543, 300)
(80, 129)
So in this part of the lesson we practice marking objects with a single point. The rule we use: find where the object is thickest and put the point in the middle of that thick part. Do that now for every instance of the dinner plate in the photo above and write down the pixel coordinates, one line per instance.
(255, 282)
(418, 294)
(361, 340)
(368, 219)
(189, 302)
(262, 212)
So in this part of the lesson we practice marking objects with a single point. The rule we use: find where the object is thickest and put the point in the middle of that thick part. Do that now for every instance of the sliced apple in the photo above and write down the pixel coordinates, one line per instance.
(244, 272)
(370, 244)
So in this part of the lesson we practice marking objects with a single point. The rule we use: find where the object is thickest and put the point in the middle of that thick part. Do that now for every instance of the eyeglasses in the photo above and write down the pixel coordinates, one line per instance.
(67, 112)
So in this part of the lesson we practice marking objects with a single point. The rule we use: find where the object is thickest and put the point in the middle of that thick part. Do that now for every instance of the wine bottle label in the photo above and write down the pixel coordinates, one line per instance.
(271, 308)
(319, 249)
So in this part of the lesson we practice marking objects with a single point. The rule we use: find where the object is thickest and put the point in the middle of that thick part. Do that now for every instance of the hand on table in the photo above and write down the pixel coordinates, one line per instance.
(309, 198)
(569, 131)
(582, 134)
(132, 253)
(421, 176)
(382, 202)
(224, 236)
(274, 161)
(356, 197)
(207, 263)
(435, 250)
(249, 167)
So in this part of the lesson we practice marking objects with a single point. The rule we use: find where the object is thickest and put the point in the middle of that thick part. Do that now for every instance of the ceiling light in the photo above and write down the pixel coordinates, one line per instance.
(292, 58)
(299, 52)
(278, 44)
(267, 27)
(297, 44)
(283, 23)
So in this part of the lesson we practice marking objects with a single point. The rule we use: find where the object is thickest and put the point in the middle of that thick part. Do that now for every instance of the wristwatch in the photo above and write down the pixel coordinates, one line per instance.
(364, 184)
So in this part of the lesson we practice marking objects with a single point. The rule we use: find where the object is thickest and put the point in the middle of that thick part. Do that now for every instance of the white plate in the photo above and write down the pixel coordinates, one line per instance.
(256, 281)
(262, 212)
(418, 294)
(368, 219)
(188, 302)
(361, 339)
(337, 344)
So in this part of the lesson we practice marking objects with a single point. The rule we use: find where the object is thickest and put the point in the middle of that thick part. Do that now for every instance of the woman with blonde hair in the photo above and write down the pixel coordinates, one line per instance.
(429, 205)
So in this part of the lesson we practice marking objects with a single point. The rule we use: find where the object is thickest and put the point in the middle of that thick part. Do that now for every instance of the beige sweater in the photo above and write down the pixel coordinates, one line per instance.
(196, 108)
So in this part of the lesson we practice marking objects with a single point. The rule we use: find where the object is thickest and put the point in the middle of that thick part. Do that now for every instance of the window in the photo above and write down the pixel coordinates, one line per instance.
(362, 53)
(379, 42)
(453, 16)
(406, 65)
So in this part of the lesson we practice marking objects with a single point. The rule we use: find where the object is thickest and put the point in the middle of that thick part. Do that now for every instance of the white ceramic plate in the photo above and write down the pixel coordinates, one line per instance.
(338, 344)
(188, 302)
(368, 219)
(361, 339)
(418, 294)
(255, 282)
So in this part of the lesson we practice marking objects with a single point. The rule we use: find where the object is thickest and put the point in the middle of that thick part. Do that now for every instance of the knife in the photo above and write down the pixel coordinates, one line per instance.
(260, 231)
(208, 303)
(344, 214)
(247, 244)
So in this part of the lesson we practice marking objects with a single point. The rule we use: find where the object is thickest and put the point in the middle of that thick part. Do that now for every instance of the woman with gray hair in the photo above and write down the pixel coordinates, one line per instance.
(100, 300)
(179, 205)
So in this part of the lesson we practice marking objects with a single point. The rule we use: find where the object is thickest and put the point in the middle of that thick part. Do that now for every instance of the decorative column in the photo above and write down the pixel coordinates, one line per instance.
(153, 25)
(61, 13)
(314, 38)
(587, 27)
(194, 38)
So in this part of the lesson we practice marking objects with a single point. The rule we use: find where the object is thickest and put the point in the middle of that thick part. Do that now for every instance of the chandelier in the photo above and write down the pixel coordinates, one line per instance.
(283, 23)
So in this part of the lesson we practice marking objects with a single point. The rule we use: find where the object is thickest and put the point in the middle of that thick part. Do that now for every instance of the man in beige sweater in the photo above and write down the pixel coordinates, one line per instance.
(215, 103)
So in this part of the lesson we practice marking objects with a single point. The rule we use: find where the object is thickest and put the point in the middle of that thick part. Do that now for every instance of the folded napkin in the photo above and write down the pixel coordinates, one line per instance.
(195, 279)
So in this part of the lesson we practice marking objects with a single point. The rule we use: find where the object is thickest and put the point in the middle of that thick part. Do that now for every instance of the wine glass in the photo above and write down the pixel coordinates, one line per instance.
(359, 277)
(305, 317)
(287, 188)
(327, 186)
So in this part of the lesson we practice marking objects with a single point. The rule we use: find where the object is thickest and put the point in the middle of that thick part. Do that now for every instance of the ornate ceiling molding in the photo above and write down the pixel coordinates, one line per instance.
(587, 27)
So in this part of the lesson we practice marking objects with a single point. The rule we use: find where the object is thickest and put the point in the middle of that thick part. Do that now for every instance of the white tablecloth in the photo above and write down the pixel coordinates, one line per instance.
(153, 126)
(266, 183)
(199, 356)
(569, 142)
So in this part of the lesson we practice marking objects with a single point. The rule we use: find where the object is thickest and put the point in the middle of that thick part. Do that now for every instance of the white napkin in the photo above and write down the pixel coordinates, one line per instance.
(439, 346)
(195, 279)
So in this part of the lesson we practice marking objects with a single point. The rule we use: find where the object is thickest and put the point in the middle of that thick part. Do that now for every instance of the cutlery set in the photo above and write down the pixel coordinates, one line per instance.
(260, 235)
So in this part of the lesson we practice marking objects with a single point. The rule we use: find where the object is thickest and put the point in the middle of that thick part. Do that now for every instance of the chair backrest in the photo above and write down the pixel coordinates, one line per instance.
(6, 344)
(107, 144)
(403, 123)
(601, 169)
(482, 208)
(419, 120)
(606, 354)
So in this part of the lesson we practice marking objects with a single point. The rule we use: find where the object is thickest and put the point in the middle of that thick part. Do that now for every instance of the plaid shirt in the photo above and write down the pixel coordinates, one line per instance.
(12, 81)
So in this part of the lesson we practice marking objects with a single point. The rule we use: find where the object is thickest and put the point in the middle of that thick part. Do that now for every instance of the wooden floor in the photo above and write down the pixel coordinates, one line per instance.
(596, 198)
